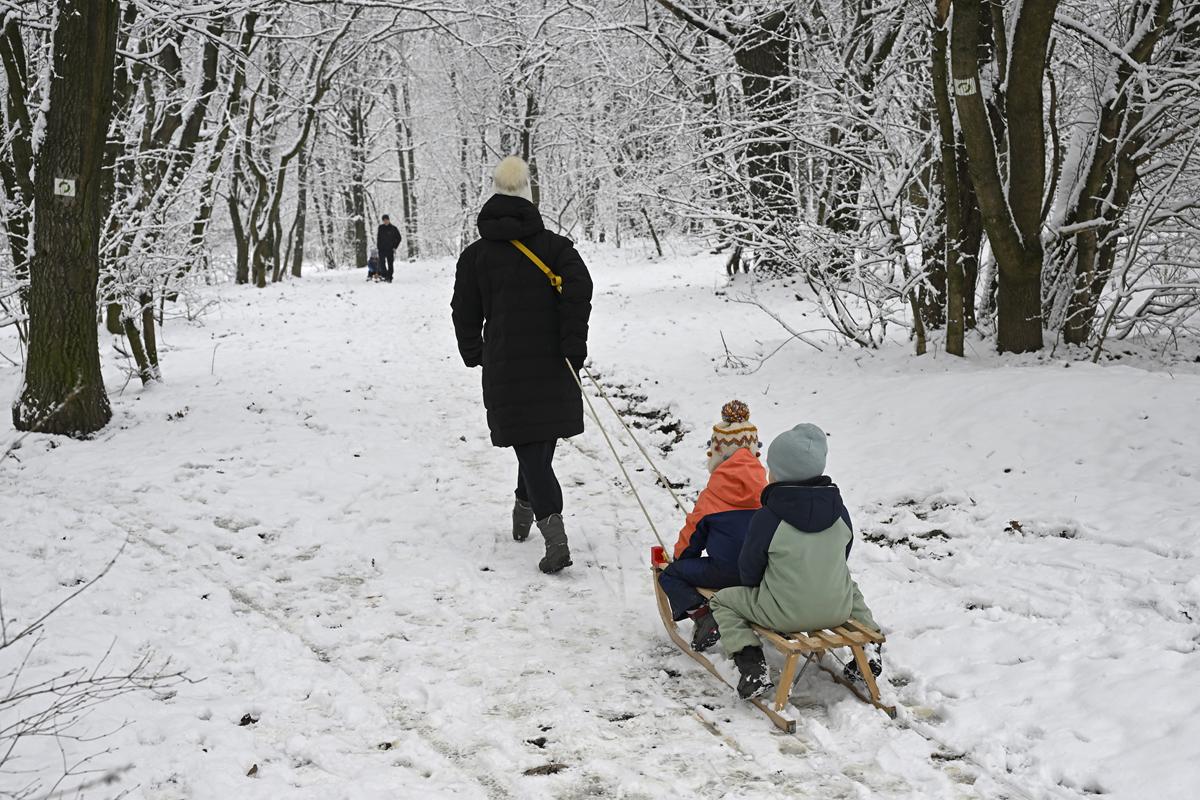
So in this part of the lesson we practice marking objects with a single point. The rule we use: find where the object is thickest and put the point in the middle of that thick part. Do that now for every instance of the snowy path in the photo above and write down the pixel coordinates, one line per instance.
(318, 530)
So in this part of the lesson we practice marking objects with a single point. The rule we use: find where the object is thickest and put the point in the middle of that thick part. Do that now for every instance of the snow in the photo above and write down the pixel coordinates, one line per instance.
(317, 531)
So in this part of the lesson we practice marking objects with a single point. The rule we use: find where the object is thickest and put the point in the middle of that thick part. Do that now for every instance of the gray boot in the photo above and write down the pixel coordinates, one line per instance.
(558, 555)
(522, 520)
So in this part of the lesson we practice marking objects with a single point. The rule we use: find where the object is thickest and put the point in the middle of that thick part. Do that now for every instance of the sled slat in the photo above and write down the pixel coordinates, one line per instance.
(852, 636)
(871, 633)
(830, 639)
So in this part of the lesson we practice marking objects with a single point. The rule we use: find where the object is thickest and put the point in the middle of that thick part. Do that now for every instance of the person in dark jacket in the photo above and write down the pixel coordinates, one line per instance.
(387, 239)
(510, 319)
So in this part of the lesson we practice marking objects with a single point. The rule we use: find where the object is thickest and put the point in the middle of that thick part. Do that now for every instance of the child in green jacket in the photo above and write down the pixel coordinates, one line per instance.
(793, 564)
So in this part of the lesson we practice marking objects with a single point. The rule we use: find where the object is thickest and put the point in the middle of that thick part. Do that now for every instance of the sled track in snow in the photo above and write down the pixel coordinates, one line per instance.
(407, 721)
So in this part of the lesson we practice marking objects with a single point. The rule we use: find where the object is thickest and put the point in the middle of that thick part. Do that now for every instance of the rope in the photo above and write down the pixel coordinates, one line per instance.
(662, 478)
(617, 456)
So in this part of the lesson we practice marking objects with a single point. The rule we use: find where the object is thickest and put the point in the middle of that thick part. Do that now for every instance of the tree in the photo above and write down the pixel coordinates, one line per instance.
(761, 48)
(1012, 208)
(64, 389)
(150, 155)
(1131, 130)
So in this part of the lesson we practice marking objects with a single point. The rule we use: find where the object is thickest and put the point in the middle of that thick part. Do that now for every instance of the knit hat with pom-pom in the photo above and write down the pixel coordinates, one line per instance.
(512, 178)
(732, 433)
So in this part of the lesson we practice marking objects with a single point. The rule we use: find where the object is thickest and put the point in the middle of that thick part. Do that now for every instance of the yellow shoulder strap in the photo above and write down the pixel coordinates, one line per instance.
(555, 280)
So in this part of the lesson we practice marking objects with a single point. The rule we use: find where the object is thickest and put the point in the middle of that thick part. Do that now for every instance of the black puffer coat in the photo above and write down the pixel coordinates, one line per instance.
(509, 318)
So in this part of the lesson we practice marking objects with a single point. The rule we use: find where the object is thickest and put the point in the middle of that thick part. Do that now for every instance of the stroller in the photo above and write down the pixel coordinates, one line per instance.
(374, 272)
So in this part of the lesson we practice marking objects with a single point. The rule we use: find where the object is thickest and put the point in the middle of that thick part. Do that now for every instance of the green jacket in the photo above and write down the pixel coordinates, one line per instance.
(795, 554)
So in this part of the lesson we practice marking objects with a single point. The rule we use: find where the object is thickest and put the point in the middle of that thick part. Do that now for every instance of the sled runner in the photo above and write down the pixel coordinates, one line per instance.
(809, 645)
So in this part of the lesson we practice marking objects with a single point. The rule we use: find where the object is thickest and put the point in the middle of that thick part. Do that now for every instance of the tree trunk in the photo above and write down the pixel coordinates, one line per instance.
(301, 215)
(653, 233)
(64, 389)
(529, 122)
(411, 213)
(208, 191)
(150, 336)
(761, 45)
(1019, 307)
(134, 337)
(950, 190)
(357, 128)
(1012, 209)
(259, 261)
(1111, 175)
(762, 55)
(16, 154)
(240, 237)
(325, 225)
(407, 164)
(970, 238)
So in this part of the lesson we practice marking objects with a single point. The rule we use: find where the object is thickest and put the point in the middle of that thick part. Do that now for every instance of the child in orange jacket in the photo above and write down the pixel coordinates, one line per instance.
(706, 553)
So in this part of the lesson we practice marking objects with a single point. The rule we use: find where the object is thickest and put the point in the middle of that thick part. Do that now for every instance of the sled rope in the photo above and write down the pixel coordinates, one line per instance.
(616, 455)
(662, 478)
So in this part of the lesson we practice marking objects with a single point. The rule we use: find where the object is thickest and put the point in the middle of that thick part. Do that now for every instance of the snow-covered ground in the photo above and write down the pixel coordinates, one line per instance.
(318, 534)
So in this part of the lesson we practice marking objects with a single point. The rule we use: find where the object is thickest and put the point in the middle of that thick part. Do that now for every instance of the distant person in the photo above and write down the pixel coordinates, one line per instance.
(510, 318)
(387, 239)
(374, 272)
(793, 565)
(707, 551)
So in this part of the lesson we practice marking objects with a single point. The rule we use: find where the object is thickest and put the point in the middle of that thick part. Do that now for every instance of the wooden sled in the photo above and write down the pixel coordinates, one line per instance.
(793, 646)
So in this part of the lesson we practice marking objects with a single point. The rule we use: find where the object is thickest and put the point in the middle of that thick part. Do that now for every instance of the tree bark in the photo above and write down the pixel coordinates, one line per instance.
(761, 48)
(402, 114)
(950, 189)
(762, 54)
(325, 224)
(150, 335)
(301, 215)
(1012, 210)
(137, 350)
(16, 165)
(356, 127)
(64, 389)
(970, 238)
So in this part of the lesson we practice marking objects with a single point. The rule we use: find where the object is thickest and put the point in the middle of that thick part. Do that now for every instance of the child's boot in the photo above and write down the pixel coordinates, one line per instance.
(874, 653)
(558, 555)
(706, 633)
(522, 520)
(755, 680)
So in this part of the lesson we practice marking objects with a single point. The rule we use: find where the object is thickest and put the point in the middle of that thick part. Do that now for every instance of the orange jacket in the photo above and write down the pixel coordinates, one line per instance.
(736, 485)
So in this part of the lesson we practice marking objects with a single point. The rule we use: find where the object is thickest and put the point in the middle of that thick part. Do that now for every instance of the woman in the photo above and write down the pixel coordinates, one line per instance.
(511, 318)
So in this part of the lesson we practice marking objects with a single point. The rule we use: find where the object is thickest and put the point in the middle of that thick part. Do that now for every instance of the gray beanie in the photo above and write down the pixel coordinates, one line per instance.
(798, 454)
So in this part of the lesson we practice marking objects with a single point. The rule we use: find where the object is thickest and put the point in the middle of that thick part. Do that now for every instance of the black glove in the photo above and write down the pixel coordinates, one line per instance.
(576, 362)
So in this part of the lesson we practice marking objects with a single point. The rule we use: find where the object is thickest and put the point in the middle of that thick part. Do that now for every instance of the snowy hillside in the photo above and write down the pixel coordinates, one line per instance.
(318, 535)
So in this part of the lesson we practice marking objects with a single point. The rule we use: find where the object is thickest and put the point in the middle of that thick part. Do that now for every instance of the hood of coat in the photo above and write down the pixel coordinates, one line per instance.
(504, 217)
(739, 480)
(809, 506)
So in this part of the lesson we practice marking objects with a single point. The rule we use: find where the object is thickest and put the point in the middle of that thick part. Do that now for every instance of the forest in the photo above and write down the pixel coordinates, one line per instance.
(1021, 171)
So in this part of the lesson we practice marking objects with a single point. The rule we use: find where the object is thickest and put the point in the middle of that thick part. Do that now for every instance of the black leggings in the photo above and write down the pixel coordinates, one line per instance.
(536, 483)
